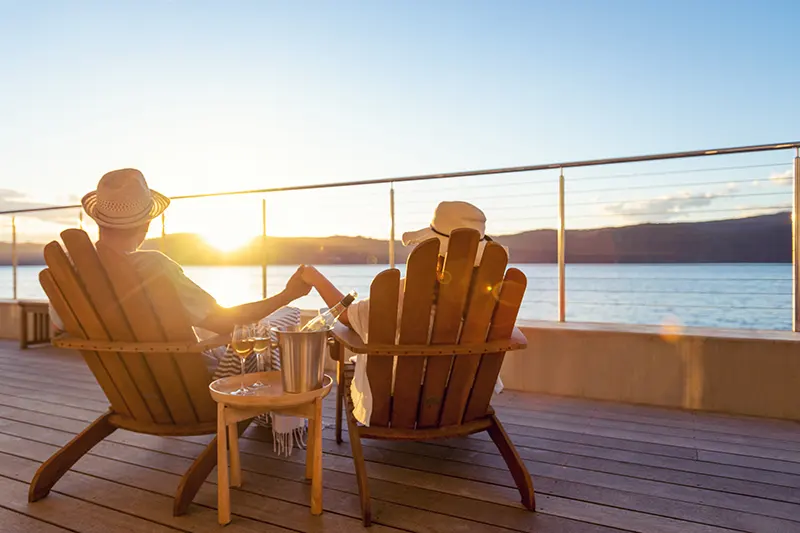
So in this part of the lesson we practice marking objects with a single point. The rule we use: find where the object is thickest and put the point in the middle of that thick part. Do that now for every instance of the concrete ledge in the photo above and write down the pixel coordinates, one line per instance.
(738, 372)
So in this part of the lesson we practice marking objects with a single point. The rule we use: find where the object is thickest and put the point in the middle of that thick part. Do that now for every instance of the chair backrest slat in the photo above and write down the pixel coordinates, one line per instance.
(98, 287)
(453, 291)
(460, 305)
(71, 288)
(418, 299)
(383, 295)
(486, 286)
(146, 327)
(505, 316)
(74, 328)
(177, 327)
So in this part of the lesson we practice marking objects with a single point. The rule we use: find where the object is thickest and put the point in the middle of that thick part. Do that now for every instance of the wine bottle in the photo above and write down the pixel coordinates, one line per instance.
(327, 319)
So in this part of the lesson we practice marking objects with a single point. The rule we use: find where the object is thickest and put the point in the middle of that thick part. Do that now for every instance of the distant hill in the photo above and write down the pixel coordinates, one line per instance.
(761, 239)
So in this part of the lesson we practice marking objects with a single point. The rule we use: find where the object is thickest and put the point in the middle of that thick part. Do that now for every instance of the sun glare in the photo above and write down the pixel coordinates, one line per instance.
(226, 240)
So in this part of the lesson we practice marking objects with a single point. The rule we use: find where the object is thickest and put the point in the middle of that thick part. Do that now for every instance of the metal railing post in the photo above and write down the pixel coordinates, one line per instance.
(796, 244)
(562, 234)
(391, 228)
(263, 247)
(163, 242)
(14, 255)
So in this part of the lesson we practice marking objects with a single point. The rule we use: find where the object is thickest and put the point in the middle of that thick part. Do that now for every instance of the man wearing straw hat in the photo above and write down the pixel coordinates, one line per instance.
(123, 206)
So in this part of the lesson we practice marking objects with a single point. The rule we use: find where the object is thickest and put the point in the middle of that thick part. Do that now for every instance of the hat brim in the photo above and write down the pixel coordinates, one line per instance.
(424, 234)
(158, 205)
(416, 237)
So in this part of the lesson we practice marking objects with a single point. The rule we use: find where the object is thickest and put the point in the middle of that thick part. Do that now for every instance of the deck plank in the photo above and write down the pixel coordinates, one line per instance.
(598, 467)
(14, 522)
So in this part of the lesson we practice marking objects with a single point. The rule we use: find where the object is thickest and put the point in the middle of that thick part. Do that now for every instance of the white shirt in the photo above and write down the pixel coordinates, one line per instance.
(197, 302)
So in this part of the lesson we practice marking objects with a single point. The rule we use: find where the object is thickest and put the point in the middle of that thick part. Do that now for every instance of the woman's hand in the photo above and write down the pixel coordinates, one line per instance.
(296, 287)
(311, 275)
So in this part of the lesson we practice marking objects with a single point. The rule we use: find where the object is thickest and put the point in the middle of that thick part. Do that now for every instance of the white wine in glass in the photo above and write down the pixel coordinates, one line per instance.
(242, 344)
(261, 343)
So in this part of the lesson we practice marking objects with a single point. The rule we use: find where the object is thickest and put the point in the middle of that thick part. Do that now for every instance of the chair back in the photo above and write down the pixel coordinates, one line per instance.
(460, 305)
(99, 295)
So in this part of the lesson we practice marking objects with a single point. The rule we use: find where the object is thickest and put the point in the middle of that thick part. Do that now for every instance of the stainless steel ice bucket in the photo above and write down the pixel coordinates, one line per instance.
(302, 358)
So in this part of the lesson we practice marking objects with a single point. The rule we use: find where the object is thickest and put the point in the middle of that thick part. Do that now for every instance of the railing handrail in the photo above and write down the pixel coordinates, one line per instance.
(466, 173)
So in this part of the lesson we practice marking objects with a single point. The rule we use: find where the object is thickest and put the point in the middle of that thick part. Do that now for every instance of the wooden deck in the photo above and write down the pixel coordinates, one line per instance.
(597, 467)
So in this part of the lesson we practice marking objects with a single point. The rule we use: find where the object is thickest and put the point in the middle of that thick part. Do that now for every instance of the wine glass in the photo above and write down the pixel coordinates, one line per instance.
(261, 343)
(242, 344)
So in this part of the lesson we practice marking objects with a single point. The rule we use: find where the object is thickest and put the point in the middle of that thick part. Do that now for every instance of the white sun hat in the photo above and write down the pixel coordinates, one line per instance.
(451, 216)
(123, 200)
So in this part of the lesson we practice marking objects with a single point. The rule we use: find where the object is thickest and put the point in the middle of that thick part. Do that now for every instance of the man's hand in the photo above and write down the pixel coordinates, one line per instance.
(296, 287)
(310, 275)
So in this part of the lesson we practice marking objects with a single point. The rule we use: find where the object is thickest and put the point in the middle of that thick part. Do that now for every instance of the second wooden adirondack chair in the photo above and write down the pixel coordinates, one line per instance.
(430, 383)
(136, 339)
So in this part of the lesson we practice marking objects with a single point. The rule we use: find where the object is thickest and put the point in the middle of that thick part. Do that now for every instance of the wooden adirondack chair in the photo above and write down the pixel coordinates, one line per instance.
(136, 339)
(442, 384)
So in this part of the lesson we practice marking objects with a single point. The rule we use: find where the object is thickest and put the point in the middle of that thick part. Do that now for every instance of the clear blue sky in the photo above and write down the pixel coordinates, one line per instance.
(208, 96)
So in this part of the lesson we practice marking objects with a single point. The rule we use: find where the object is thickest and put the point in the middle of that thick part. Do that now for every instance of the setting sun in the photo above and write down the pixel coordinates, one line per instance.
(225, 240)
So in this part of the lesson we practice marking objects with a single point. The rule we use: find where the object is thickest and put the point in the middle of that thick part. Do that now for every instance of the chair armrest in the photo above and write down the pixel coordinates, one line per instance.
(140, 347)
(350, 340)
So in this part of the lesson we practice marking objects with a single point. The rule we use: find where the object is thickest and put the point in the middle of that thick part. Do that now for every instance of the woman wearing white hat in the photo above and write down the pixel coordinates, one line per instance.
(448, 217)
(123, 206)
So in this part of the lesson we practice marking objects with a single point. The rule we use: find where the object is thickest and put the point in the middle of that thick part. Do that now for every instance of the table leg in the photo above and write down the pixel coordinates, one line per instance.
(236, 467)
(223, 490)
(316, 480)
(310, 444)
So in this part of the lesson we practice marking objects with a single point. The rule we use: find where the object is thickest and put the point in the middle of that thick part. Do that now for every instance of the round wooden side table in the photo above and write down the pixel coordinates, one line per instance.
(232, 409)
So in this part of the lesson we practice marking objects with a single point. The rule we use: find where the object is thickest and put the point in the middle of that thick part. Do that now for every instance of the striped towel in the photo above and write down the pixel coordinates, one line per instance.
(287, 431)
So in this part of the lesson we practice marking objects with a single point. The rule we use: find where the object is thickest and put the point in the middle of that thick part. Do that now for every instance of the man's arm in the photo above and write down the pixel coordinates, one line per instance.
(326, 290)
(223, 319)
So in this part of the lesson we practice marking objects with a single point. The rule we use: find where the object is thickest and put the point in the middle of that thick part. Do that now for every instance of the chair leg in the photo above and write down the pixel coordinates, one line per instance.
(196, 475)
(54, 468)
(339, 399)
(361, 468)
(514, 462)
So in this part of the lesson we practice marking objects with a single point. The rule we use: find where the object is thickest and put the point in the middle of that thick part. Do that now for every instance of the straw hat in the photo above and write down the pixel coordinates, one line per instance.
(123, 200)
(450, 216)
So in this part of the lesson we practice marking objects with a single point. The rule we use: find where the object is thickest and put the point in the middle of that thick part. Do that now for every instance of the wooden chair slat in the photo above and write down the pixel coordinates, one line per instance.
(418, 300)
(177, 327)
(73, 327)
(505, 316)
(486, 286)
(453, 291)
(146, 327)
(98, 287)
(383, 297)
(71, 288)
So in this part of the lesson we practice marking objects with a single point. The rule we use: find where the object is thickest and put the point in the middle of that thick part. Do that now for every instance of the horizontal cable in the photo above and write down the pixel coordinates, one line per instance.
(676, 291)
(710, 198)
(692, 212)
(570, 192)
(680, 306)
(554, 204)
(572, 278)
(684, 171)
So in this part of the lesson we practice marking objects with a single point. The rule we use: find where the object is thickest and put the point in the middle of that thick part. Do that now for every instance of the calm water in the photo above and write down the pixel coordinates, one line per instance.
(754, 296)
